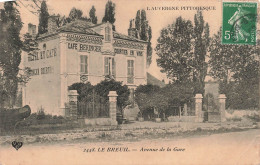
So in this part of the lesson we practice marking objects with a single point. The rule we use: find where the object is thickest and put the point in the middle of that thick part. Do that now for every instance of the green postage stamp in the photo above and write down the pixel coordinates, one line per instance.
(239, 23)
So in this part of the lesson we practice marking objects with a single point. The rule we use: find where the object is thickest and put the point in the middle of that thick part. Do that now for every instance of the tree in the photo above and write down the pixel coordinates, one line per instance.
(10, 49)
(122, 91)
(75, 14)
(235, 59)
(110, 13)
(92, 15)
(138, 23)
(144, 32)
(86, 90)
(236, 66)
(43, 18)
(201, 39)
(174, 49)
(182, 50)
(145, 97)
(179, 93)
(153, 98)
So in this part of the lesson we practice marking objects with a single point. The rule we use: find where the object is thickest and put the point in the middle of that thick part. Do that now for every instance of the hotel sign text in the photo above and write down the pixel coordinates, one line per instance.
(84, 47)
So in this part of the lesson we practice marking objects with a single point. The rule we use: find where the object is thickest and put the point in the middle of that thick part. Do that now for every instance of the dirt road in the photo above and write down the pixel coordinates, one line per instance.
(227, 148)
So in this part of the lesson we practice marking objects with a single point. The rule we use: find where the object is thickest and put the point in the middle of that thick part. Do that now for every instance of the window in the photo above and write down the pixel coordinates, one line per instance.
(109, 66)
(130, 71)
(131, 52)
(36, 56)
(107, 34)
(47, 54)
(42, 54)
(84, 64)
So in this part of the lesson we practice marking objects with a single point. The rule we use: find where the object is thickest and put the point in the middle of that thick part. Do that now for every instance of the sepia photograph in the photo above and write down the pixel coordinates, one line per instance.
(129, 82)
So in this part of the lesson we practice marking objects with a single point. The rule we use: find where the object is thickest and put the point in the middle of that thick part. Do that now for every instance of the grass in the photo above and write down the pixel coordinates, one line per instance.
(39, 123)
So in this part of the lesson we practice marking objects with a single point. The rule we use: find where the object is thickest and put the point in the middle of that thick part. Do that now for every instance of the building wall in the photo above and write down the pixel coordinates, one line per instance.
(50, 91)
(96, 66)
(43, 89)
(96, 63)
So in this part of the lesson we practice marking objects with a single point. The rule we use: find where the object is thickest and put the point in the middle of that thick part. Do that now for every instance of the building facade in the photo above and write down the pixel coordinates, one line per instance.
(80, 52)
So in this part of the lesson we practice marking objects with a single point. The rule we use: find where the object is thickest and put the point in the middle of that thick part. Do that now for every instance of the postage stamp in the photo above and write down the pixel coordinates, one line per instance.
(239, 23)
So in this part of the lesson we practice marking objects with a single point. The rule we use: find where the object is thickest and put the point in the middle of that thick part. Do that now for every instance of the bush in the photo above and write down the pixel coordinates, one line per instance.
(41, 118)
(85, 91)
(161, 100)
(254, 117)
(40, 115)
(122, 91)
(241, 95)
(145, 97)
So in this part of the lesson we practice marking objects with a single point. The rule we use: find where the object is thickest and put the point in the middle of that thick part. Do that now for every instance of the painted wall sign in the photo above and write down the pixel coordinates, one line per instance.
(84, 47)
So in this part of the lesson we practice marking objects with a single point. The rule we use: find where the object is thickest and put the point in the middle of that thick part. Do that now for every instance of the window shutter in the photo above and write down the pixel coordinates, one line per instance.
(86, 64)
(113, 67)
(130, 71)
(81, 65)
(106, 66)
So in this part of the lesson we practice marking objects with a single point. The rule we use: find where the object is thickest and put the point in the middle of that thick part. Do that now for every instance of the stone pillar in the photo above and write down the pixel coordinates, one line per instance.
(222, 107)
(185, 109)
(73, 104)
(198, 108)
(62, 54)
(112, 106)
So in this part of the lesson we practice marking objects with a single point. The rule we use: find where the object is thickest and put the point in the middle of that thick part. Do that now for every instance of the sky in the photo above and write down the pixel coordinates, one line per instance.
(126, 10)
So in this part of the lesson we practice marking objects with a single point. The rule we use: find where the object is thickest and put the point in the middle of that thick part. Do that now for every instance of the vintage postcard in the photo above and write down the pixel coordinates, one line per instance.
(129, 82)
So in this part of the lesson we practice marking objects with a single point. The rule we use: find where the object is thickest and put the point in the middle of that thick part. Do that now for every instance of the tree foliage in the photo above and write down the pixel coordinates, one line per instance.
(122, 91)
(179, 93)
(240, 60)
(75, 14)
(237, 68)
(92, 15)
(174, 49)
(110, 13)
(152, 97)
(43, 18)
(144, 32)
(148, 97)
(201, 39)
(182, 50)
(10, 49)
(85, 91)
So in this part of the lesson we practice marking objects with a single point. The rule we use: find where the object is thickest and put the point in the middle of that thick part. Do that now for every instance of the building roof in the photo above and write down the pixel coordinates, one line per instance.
(85, 27)
(125, 37)
(79, 26)
(154, 81)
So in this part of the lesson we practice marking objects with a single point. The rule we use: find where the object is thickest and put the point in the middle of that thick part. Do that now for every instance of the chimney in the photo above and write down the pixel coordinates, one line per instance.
(52, 25)
(32, 30)
(132, 31)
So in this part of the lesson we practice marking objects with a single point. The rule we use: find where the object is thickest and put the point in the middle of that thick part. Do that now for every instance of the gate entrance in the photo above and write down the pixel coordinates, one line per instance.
(211, 108)
(95, 107)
